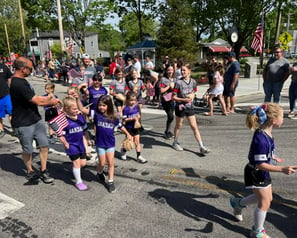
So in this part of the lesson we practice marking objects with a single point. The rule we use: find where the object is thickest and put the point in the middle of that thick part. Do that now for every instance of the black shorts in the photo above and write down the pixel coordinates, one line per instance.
(253, 178)
(227, 91)
(118, 103)
(133, 131)
(185, 112)
(78, 156)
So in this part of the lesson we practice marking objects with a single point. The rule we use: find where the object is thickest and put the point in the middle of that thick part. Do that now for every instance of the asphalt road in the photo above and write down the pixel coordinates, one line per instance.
(176, 194)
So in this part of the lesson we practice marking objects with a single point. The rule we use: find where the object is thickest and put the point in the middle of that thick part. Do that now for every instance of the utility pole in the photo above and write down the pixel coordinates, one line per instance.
(60, 25)
(279, 17)
(22, 24)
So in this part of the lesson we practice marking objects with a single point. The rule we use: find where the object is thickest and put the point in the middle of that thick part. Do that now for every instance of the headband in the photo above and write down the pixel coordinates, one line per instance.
(260, 112)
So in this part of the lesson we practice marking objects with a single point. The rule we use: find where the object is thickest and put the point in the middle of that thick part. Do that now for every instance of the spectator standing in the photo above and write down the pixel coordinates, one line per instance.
(90, 70)
(275, 74)
(5, 100)
(293, 91)
(99, 68)
(112, 68)
(128, 70)
(231, 82)
(137, 65)
(26, 119)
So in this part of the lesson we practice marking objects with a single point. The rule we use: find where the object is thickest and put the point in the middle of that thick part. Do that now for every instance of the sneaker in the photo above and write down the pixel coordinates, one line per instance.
(293, 117)
(177, 146)
(111, 188)
(291, 114)
(123, 155)
(2, 133)
(168, 135)
(141, 159)
(261, 233)
(32, 176)
(237, 208)
(45, 177)
(101, 177)
(204, 150)
(81, 186)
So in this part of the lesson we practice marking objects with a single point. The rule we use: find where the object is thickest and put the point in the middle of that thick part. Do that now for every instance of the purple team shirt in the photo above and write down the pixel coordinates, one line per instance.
(130, 112)
(73, 134)
(95, 94)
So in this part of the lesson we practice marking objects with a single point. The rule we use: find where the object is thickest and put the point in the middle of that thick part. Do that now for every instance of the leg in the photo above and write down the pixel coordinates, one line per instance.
(227, 103)
(292, 96)
(221, 100)
(194, 127)
(178, 126)
(43, 154)
(277, 88)
(110, 162)
(232, 103)
(27, 158)
(267, 86)
(210, 104)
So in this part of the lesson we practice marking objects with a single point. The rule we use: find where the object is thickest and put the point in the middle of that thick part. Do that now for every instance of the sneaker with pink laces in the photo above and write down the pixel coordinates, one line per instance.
(81, 186)
(260, 233)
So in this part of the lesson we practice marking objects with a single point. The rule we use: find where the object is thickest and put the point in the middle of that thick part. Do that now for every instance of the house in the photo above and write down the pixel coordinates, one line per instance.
(40, 44)
(218, 47)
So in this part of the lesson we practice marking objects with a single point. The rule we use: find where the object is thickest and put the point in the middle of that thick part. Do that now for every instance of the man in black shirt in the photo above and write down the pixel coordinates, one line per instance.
(26, 119)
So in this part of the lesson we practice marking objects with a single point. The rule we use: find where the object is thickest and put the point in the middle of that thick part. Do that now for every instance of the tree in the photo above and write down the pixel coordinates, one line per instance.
(140, 8)
(78, 14)
(8, 15)
(176, 36)
(130, 29)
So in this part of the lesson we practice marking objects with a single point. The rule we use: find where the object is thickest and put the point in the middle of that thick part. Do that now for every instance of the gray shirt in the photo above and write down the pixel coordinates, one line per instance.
(277, 69)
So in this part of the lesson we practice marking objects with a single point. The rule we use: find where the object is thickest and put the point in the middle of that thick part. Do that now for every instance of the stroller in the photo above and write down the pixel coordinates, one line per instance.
(203, 102)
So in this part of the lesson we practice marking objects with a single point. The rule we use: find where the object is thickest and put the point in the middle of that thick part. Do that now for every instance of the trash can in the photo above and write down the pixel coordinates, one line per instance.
(250, 70)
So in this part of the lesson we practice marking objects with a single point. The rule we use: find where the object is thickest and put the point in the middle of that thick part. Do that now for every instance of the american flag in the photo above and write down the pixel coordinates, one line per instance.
(59, 123)
(257, 43)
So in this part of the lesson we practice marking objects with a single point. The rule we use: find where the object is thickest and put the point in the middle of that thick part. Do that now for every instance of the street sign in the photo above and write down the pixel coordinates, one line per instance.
(285, 38)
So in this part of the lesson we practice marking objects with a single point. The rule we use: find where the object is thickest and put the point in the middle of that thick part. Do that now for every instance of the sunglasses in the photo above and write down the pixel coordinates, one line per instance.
(277, 52)
(97, 80)
(31, 69)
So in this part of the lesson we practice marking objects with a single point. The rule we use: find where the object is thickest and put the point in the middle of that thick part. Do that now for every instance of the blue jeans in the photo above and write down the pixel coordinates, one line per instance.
(272, 88)
(292, 95)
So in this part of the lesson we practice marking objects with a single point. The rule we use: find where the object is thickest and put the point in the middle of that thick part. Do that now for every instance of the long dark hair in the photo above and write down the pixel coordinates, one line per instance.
(107, 100)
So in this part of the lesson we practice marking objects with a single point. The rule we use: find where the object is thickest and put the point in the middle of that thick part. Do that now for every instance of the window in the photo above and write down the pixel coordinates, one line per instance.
(34, 43)
(92, 44)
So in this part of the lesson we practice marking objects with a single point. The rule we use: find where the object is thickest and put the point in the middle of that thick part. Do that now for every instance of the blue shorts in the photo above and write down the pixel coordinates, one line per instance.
(5, 106)
(103, 151)
(27, 134)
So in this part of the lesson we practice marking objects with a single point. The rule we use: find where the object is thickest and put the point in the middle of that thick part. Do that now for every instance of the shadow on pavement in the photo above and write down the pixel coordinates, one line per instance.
(186, 204)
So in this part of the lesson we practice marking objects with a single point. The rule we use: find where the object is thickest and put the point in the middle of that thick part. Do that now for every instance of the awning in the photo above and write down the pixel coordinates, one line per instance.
(225, 49)
(219, 48)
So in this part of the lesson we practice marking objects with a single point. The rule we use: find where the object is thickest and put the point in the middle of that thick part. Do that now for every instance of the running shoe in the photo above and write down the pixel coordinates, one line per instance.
(237, 208)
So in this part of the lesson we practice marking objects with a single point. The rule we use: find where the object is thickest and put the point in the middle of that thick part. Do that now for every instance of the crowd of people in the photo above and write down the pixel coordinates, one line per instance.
(119, 108)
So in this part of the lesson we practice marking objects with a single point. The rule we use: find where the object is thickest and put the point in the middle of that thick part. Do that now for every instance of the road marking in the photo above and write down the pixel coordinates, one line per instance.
(8, 205)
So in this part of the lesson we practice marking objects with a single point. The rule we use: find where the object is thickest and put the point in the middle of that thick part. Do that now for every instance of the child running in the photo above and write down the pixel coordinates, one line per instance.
(262, 160)
(131, 113)
(105, 120)
(72, 139)
(183, 94)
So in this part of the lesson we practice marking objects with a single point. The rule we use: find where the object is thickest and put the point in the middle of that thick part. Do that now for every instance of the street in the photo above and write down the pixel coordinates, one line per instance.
(176, 194)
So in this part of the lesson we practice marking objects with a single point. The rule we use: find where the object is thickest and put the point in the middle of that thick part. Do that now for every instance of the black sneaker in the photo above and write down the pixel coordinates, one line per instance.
(2, 133)
(45, 177)
(111, 187)
(32, 176)
(101, 177)
(168, 135)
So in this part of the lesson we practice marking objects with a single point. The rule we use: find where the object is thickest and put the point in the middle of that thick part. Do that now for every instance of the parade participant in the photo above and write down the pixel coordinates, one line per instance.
(72, 139)
(117, 90)
(131, 113)
(50, 111)
(262, 160)
(231, 82)
(275, 74)
(5, 101)
(166, 86)
(183, 94)
(26, 119)
(105, 120)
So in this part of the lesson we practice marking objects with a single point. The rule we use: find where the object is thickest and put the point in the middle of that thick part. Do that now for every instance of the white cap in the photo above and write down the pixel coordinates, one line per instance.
(85, 56)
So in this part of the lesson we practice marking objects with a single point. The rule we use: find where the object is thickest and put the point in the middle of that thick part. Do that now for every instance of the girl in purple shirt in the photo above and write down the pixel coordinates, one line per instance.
(105, 120)
(262, 160)
(72, 139)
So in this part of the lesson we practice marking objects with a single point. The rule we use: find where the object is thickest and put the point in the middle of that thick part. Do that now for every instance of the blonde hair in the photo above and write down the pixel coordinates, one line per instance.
(254, 120)
(68, 101)
(74, 88)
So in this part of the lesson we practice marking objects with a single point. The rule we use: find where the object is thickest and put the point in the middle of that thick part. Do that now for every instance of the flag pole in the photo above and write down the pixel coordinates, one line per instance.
(7, 39)
(262, 55)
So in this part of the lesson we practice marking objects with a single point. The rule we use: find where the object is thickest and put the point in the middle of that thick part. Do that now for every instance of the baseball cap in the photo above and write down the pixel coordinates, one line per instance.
(129, 59)
(232, 54)
(85, 56)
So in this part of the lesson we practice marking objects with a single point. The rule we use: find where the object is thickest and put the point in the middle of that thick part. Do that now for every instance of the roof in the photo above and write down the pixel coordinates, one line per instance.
(56, 34)
(225, 49)
(143, 44)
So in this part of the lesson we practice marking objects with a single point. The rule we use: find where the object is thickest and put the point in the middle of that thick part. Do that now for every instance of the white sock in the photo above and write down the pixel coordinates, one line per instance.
(200, 144)
(259, 218)
(251, 199)
(76, 174)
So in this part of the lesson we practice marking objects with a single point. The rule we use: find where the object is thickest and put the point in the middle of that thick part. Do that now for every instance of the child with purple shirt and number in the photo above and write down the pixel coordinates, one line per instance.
(105, 120)
(72, 139)
(131, 113)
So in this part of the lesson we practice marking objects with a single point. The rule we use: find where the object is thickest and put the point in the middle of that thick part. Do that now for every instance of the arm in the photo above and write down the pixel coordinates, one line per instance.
(49, 100)
(127, 133)
(273, 168)
(64, 142)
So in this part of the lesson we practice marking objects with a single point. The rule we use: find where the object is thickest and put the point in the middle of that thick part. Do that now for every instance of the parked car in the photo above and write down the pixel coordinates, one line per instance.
(294, 54)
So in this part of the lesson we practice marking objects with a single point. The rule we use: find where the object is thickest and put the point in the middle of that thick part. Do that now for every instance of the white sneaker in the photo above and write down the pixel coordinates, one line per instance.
(237, 208)
(291, 114)
(141, 159)
(177, 146)
(123, 155)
